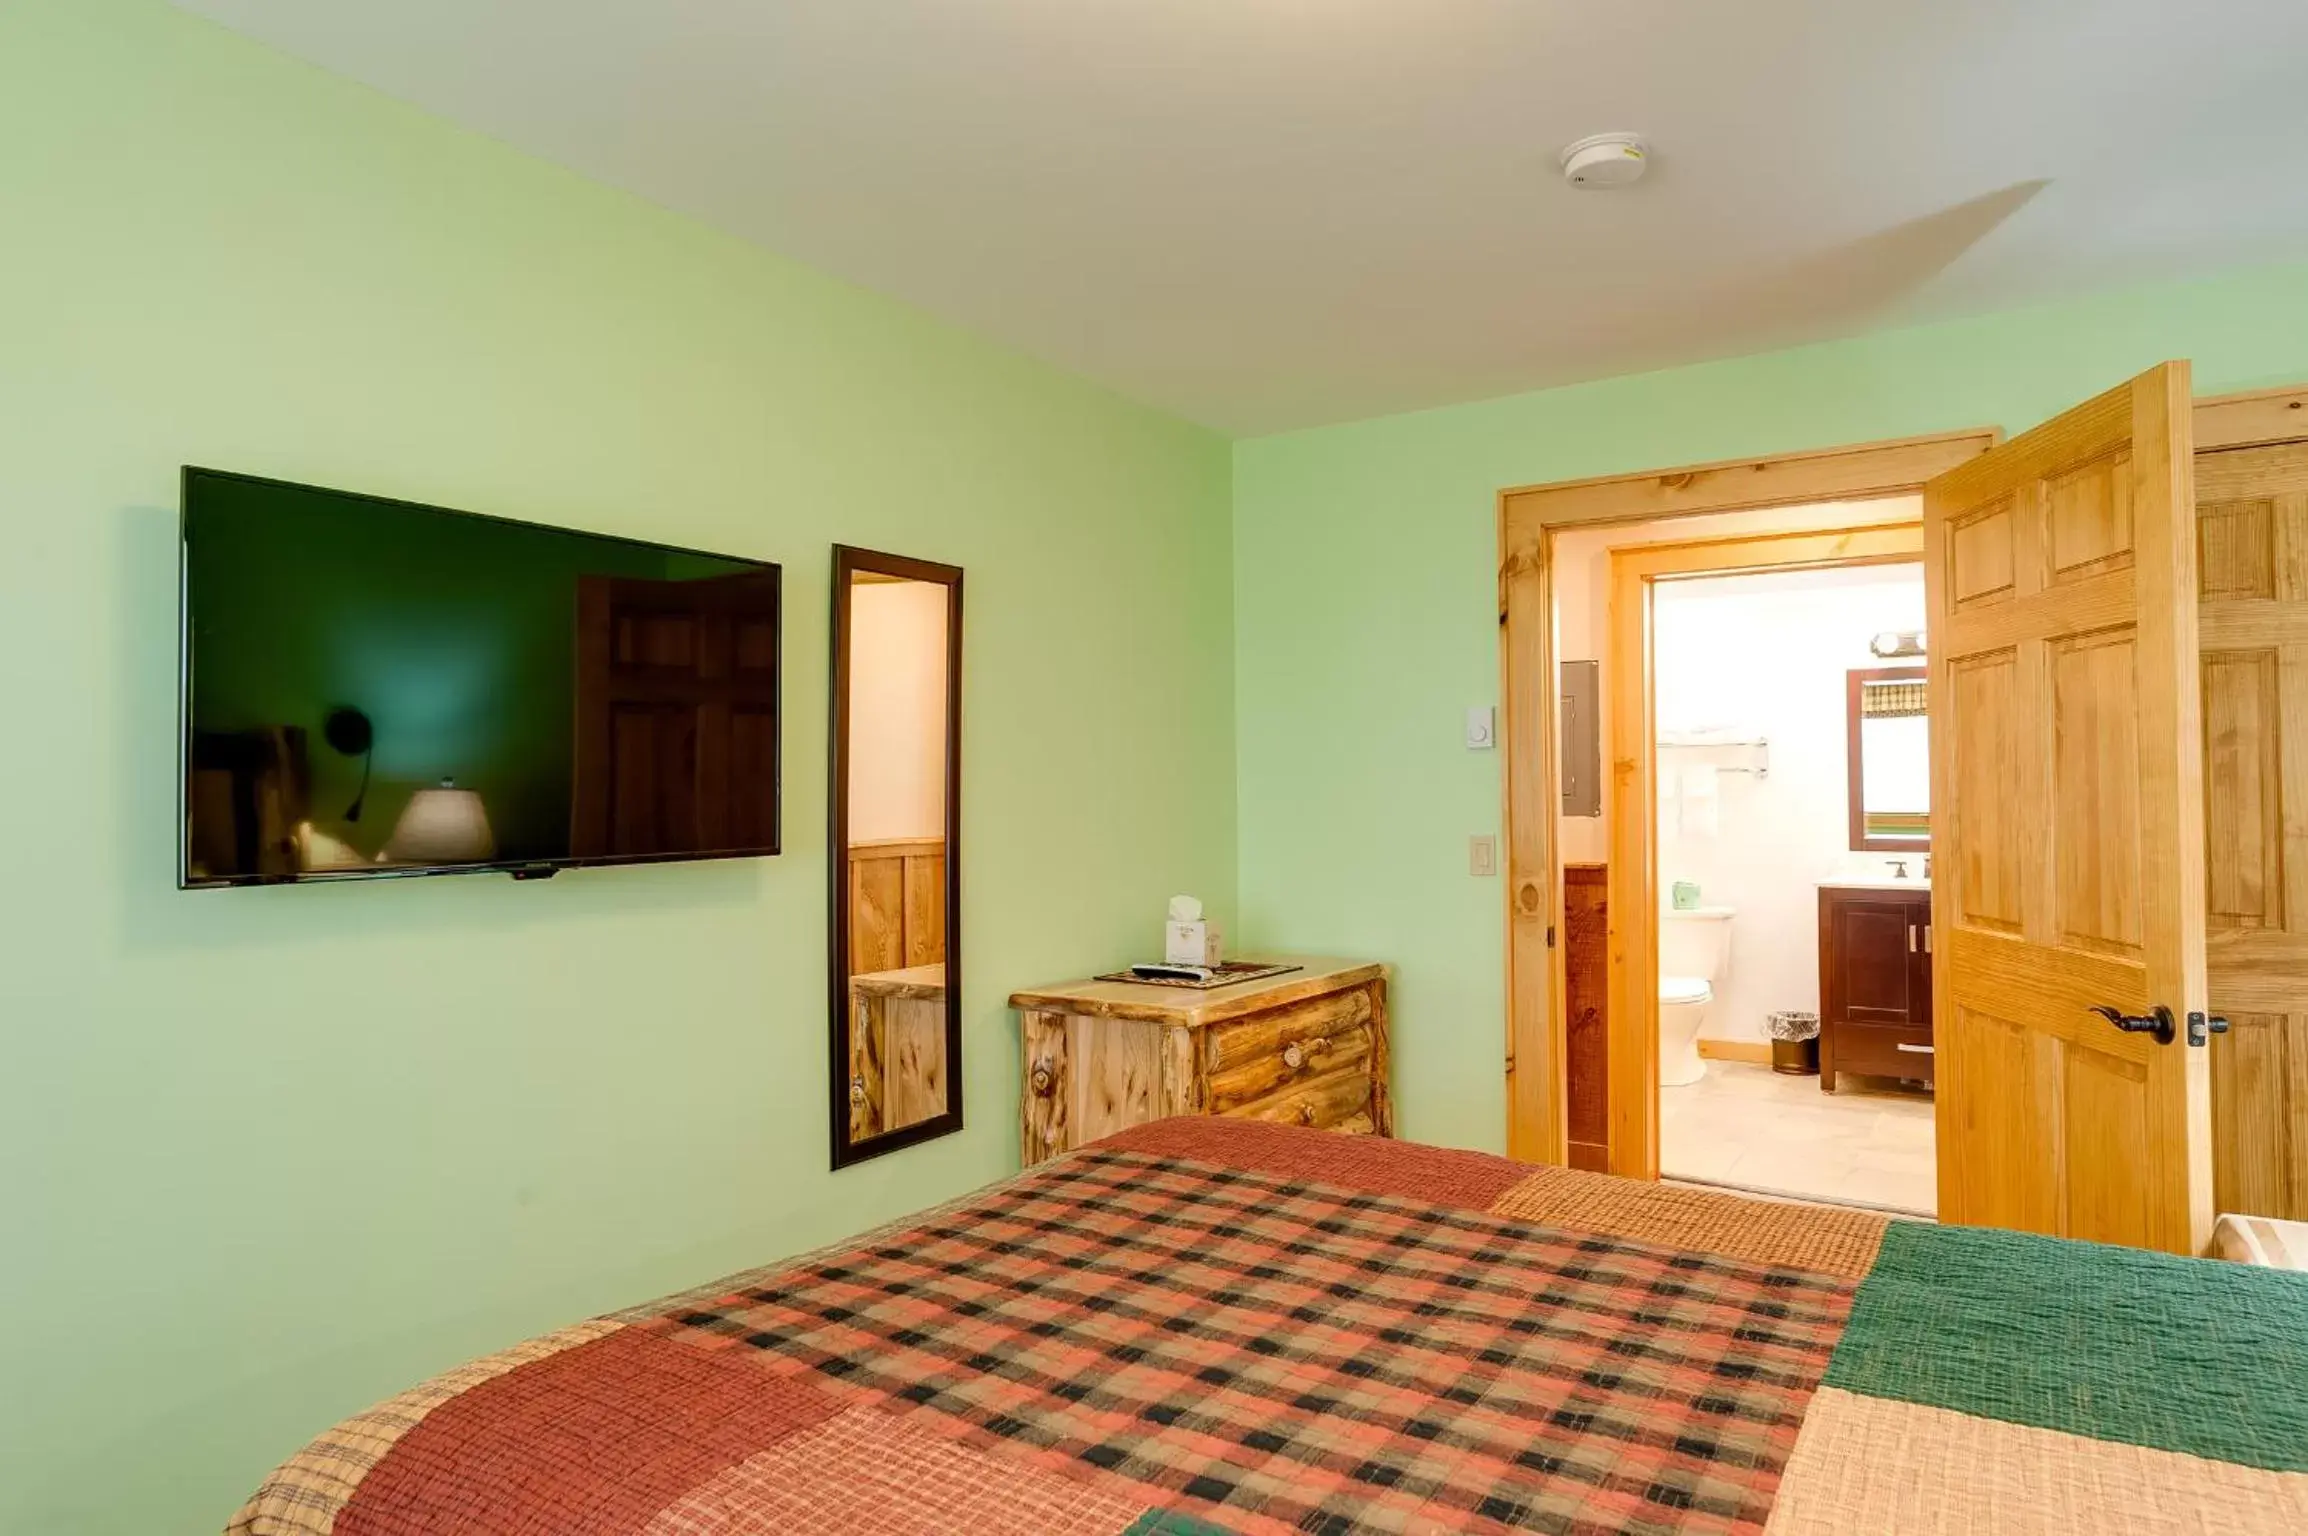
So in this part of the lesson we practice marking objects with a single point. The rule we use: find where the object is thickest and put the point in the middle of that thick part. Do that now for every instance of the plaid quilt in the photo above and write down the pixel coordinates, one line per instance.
(1217, 1326)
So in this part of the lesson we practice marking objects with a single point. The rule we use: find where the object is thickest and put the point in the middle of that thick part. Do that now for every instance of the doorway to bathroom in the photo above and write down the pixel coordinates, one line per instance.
(1581, 1083)
(1790, 819)
(1709, 748)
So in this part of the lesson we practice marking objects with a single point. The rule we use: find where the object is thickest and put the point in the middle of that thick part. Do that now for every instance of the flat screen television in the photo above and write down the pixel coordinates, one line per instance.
(373, 687)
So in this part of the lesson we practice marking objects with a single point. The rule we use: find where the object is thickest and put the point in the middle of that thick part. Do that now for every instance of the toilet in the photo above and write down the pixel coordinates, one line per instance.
(1693, 946)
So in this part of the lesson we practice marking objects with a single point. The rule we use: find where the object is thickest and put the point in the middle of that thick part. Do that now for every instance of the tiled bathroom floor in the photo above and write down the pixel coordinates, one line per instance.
(1870, 1142)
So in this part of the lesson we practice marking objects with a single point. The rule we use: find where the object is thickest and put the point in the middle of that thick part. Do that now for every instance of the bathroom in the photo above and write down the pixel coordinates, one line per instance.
(1774, 692)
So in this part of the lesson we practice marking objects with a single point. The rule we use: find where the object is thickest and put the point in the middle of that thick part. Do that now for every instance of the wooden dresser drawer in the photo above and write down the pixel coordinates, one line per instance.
(1253, 1060)
(1885, 1050)
(1290, 1064)
(1336, 1101)
(1231, 1045)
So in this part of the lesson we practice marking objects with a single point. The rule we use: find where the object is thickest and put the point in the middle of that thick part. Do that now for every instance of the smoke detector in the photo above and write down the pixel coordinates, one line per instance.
(1602, 161)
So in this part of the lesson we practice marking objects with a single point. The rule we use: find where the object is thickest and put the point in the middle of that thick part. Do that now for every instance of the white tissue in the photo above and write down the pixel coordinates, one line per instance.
(1185, 909)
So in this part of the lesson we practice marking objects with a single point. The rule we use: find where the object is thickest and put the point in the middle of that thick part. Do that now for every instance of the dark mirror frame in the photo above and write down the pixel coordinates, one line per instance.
(1856, 687)
(849, 562)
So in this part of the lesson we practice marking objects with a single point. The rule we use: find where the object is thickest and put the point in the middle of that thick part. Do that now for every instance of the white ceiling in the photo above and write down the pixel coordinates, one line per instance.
(1263, 214)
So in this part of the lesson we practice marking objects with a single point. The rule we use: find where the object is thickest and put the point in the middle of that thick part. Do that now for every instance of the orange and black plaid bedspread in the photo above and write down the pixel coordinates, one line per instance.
(1213, 1326)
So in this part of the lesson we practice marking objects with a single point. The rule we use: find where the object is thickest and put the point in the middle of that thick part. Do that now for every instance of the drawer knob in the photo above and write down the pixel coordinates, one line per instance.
(1294, 1054)
(1043, 1079)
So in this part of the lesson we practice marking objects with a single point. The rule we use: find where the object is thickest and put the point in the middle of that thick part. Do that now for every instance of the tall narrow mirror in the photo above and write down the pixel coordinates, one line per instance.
(895, 793)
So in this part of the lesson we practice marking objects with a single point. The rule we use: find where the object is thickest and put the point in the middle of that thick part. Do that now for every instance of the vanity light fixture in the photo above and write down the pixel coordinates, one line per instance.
(1897, 642)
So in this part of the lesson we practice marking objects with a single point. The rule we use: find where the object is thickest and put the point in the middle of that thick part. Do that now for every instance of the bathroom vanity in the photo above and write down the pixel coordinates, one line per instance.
(1875, 980)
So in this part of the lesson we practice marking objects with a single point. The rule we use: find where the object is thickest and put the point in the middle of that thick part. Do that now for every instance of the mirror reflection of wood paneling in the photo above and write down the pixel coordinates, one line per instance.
(895, 818)
(897, 903)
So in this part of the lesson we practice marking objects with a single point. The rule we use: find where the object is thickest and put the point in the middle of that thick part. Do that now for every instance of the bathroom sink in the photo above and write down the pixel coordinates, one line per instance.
(1884, 883)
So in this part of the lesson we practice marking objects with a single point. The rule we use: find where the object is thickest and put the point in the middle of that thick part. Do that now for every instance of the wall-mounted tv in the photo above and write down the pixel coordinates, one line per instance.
(373, 687)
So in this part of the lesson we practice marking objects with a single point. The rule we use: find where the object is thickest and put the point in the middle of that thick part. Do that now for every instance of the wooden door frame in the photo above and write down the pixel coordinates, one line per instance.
(1632, 1026)
(1529, 517)
(2254, 418)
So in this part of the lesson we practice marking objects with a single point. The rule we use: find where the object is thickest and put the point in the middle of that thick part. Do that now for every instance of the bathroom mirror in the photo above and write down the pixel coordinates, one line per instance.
(894, 793)
(1890, 746)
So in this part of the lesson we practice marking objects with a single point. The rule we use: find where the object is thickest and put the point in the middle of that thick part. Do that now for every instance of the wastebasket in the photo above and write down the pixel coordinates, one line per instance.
(1794, 1042)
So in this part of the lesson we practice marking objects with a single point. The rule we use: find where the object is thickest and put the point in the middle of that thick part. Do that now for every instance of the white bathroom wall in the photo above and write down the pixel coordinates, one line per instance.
(1581, 561)
(1767, 655)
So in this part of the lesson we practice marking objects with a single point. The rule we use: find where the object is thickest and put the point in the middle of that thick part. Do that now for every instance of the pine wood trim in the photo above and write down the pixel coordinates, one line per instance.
(1634, 899)
(2253, 418)
(1528, 517)
(1754, 1052)
(1888, 468)
(896, 847)
(1537, 1098)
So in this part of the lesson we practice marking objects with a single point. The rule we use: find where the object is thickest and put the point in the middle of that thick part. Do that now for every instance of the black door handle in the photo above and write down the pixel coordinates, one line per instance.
(2199, 1025)
(2157, 1023)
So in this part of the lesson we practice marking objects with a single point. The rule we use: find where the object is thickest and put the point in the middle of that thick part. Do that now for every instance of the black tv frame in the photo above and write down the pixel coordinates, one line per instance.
(519, 869)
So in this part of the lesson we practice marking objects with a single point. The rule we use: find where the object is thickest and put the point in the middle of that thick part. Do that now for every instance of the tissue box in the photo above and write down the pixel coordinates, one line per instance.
(1190, 943)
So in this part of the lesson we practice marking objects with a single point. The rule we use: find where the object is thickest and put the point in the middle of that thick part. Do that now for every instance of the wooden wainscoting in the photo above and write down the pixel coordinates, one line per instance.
(1586, 1005)
(897, 903)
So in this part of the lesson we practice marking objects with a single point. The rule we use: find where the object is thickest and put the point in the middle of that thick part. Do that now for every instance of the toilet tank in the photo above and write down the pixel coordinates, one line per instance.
(1695, 943)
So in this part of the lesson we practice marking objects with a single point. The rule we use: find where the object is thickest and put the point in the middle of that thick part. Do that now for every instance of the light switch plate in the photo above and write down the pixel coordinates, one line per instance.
(1482, 727)
(1483, 855)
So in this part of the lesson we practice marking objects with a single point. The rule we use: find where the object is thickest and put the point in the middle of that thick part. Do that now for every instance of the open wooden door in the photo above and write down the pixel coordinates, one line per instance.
(2252, 541)
(2068, 827)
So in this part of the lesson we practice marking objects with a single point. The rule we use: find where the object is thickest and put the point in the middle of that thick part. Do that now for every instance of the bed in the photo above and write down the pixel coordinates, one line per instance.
(1218, 1326)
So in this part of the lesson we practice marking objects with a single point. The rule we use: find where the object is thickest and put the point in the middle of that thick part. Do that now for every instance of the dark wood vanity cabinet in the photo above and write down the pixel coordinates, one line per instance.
(1874, 983)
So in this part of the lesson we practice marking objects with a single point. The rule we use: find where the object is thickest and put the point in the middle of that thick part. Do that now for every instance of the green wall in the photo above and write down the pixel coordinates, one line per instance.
(268, 1155)
(1366, 605)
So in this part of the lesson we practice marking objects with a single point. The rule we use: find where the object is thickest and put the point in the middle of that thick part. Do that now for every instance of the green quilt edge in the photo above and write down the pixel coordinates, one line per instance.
(2191, 1355)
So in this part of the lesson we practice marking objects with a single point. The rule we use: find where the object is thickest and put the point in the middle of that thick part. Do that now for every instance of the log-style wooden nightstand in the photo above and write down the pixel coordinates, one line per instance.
(1307, 1047)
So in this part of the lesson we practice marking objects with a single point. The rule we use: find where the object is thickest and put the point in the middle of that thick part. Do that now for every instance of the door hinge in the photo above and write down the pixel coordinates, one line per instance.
(1550, 935)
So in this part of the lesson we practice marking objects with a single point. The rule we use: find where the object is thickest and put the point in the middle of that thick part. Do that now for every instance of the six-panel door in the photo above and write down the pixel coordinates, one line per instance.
(2252, 514)
(2067, 825)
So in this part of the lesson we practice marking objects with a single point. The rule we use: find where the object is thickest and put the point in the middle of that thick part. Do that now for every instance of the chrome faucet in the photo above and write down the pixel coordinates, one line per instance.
(1899, 869)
